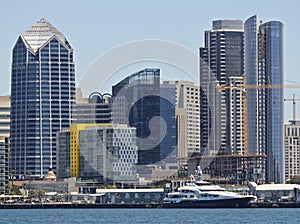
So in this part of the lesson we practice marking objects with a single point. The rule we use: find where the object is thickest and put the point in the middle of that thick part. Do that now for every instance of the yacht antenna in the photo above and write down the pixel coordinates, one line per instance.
(198, 173)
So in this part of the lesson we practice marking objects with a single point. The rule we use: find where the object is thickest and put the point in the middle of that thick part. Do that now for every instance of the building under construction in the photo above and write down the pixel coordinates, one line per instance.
(230, 169)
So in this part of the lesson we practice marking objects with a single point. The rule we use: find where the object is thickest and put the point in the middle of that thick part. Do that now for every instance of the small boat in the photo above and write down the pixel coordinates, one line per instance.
(197, 193)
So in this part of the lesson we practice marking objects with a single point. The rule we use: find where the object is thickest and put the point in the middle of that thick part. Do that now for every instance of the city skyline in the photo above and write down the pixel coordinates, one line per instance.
(36, 42)
(198, 22)
(95, 27)
(133, 104)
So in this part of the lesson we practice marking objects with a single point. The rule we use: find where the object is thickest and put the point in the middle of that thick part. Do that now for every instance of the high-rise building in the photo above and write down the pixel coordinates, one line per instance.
(237, 116)
(223, 110)
(263, 66)
(168, 144)
(42, 97)
(292, 149)
(4, 141)
(96, 109)
(221, 64)
(136, 102)
(187, 113)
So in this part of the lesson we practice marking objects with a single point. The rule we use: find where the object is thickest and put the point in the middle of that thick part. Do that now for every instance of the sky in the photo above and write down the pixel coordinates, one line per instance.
(95, 27)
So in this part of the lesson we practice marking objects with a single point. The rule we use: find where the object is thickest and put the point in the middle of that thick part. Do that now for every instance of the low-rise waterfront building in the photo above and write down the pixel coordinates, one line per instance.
(121, 196)
(97, 153)
(276, 192)
(3, 164)
(66, 186)
(108, 153)
(74, 146)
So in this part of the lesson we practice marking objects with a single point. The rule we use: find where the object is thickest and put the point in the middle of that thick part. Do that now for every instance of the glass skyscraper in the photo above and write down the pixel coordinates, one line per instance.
(42, 97)
(136, 102)
(263, 66)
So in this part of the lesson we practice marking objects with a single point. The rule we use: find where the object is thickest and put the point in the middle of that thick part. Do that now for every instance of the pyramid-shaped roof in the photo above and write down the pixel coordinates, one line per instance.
(41, 32)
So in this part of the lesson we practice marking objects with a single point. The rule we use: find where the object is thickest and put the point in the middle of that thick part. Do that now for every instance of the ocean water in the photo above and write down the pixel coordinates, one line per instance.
(149, 216)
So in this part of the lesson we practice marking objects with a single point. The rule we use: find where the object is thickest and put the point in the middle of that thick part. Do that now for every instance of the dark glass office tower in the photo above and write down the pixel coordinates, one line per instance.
(136, 102)
(264, 65)
(42, 97)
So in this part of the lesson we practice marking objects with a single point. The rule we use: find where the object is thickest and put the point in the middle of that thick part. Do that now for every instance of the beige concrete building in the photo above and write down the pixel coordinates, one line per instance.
(237, 121)
(4, 141)
(292, 149)
(187, 101)
(4, 116)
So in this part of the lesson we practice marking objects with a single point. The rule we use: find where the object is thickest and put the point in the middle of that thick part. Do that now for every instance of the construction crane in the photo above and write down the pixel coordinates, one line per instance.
(294, 105)
(268, 86)
(242, 87)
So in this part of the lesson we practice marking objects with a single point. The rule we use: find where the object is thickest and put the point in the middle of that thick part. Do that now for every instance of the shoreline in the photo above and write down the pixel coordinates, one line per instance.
(75, 205)
(134, 206)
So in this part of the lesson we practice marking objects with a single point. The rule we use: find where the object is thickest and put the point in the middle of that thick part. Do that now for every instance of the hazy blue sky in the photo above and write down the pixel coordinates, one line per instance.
(93, 27)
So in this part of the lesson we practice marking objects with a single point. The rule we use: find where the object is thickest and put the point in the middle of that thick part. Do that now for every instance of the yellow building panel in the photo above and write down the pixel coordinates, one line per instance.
(74, 146)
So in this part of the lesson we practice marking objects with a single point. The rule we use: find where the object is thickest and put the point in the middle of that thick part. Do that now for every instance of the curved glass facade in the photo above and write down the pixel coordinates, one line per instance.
(251, 77)
(263, 66)
(272, 69)
(42, 97)
(136, 101)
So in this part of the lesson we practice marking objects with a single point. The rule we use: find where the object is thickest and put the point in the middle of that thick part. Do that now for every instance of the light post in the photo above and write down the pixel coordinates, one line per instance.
(28, 173)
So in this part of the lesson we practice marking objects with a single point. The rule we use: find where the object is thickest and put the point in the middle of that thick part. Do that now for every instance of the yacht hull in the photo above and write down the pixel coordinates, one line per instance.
(222, 203)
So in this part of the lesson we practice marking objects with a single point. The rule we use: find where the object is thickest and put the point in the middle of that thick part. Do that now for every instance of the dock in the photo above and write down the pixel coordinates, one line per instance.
(254, 205)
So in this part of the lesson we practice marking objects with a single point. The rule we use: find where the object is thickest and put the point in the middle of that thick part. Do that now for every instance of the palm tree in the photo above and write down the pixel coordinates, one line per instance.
(28, 173)
(40, 194)
(11, 175)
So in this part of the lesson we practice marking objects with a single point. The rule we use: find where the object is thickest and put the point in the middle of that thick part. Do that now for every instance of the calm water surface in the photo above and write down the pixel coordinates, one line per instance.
(151, 216)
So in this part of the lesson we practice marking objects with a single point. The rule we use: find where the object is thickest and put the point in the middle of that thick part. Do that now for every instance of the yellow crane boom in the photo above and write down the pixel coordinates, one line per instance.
(268, 86)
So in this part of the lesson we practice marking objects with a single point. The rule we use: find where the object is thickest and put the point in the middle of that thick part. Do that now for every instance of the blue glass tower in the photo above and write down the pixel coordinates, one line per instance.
(42, 97)
(251, 77)
(271, 68)
(263, 66)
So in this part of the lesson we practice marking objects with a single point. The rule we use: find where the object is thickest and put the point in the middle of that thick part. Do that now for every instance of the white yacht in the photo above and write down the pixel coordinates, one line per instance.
(197, 193)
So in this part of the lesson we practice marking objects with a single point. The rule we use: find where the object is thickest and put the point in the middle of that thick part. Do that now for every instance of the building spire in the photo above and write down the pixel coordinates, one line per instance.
(39, 33)
(43, 20)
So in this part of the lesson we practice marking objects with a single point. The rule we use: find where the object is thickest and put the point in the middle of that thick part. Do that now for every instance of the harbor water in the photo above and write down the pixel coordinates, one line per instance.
(150, 216)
